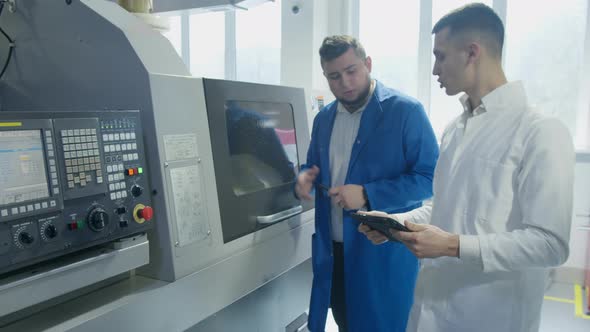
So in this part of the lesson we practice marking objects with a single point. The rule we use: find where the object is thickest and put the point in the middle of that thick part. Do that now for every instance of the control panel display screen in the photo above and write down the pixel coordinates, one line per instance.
(23, 177)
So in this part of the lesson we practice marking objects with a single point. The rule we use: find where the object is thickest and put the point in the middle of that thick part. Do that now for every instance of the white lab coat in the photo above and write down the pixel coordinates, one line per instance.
(504, 181)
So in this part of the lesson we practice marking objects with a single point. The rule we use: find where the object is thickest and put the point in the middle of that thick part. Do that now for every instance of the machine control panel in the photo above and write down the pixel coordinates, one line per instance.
(69, 181)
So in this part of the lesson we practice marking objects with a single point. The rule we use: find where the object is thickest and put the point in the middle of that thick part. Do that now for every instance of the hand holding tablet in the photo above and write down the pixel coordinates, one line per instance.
(381, 224)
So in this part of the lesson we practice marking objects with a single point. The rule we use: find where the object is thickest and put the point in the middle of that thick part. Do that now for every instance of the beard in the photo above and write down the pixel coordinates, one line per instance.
(355, 104)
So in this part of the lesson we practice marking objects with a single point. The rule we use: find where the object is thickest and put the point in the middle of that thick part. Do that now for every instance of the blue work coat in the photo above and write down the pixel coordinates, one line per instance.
(393, 157)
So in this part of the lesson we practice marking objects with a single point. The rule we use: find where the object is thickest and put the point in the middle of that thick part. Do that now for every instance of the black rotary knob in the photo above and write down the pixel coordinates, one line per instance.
(136, 191)
(98, 219)
(26, 238)
(50, 231)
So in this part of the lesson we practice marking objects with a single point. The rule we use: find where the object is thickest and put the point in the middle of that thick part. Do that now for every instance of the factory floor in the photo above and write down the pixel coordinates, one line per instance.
(564, 309)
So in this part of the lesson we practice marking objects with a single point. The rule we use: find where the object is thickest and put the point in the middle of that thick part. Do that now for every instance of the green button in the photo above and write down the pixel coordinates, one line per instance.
(80, 223)
(140, 170)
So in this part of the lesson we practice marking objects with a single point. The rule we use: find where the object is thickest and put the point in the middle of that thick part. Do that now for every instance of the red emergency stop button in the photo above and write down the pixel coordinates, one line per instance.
(142, 213)
(146, 213)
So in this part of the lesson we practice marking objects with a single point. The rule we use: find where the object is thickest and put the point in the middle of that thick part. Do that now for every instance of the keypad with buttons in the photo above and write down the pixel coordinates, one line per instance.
(120, 149)
(50, 147)
(82, 157)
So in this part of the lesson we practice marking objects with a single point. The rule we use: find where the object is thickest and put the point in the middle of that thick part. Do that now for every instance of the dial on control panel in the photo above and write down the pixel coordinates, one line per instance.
(50, 231)
(98, 219)
(26, 238)
(136, 191)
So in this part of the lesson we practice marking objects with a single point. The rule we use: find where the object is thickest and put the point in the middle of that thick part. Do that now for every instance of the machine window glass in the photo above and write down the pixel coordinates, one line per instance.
(262, 145)
(22, 161)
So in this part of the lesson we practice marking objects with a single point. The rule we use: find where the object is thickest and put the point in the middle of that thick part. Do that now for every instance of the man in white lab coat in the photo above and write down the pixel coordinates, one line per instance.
(503, 186)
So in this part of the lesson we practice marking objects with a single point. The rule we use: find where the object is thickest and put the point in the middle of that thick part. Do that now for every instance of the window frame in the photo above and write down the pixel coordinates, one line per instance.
(230, 72)
(582, 139)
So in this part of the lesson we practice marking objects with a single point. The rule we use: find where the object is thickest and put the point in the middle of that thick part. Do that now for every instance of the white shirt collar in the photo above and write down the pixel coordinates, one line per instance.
(510, 95)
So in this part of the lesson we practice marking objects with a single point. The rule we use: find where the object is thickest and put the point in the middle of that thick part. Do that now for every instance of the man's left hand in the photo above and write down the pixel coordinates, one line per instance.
(348, 197)
(428, 241)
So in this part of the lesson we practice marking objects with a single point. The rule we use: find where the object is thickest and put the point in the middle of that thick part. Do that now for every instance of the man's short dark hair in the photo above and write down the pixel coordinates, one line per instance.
(478, 18)
(334, 46)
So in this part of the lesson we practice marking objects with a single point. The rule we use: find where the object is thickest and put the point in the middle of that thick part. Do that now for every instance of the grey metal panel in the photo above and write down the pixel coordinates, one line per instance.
(27, 289)
(270, 308)
(200, 295)
(143, 304)
(180, 106)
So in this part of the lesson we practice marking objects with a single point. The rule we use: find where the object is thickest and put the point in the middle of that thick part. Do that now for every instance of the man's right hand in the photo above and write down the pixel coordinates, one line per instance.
(305, 182)
(372, 235)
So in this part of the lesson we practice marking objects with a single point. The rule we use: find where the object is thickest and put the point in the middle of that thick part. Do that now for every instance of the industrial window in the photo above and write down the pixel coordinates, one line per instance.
(547, 53)
(548, 48)
(392, 47)
(240, 44)
(258, 44)
(207, 44)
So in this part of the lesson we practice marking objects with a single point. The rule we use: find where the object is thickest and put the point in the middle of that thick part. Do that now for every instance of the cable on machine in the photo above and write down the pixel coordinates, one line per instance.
(10, 42)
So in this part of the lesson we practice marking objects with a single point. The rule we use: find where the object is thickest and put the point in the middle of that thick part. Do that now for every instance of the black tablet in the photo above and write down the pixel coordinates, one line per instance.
(380, 224)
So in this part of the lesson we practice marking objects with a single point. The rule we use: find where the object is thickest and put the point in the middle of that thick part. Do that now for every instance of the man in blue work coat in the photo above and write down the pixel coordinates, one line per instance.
(369, 288)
